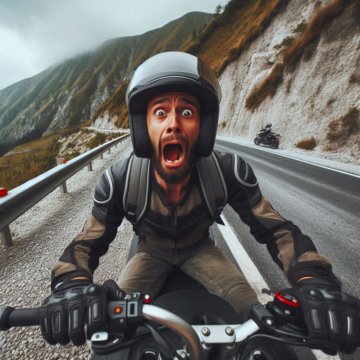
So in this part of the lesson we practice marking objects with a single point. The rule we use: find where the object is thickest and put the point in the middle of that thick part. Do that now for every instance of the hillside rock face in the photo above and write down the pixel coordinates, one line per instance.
(317, 92)
(70, 93)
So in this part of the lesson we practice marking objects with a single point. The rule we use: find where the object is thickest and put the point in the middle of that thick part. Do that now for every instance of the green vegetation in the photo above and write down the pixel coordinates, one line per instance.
(218, 10)
(301, 48)
(346, 126)
(229, 34)
(98, 139)
(29, 160)
(20, 167)
(285, 44)
(330, 101)
(266, 88)
(308, 144)
(300, 27)
(354, 79)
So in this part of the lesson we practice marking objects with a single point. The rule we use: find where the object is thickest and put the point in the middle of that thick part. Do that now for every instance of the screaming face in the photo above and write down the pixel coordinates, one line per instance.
(173, 121)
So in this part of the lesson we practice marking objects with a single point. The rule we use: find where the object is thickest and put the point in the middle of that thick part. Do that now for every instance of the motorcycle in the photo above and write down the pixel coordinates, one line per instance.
(272, 140)
(185, 321)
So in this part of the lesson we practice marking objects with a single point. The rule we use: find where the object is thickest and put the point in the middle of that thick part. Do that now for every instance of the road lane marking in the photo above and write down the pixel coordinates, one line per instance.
(252, 274)
(289, 157)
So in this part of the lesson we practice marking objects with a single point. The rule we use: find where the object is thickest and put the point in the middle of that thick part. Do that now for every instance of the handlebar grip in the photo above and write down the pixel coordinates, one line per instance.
(10, 317)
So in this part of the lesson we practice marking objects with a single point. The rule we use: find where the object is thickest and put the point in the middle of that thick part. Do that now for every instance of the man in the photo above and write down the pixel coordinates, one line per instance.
(264, 133)
(173, 102)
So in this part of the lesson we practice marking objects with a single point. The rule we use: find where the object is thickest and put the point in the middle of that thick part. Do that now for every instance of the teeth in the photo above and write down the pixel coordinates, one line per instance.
(175, 161)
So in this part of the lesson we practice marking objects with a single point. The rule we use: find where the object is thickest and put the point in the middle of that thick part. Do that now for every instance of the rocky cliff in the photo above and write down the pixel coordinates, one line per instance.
(316, 94)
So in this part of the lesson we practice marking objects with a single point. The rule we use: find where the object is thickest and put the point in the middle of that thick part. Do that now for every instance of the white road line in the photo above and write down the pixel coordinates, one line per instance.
(252, 274)
(289, 157)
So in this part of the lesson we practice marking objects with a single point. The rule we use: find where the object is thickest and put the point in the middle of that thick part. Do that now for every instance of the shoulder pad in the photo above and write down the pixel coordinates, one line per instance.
(244, 173)
(104, 189)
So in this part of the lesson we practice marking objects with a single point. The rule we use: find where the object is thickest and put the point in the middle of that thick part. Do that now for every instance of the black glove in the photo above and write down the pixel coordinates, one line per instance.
(329, 313)
(73, 304)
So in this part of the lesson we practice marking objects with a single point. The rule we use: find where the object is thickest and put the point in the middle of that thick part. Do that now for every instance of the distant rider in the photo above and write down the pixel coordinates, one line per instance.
(264, 133)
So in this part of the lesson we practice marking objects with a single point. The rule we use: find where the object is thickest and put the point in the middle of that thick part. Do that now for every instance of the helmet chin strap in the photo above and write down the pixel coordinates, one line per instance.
(194, 164)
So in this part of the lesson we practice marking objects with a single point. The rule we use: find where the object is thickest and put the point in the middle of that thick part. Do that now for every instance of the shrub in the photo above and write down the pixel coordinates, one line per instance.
(307, 43)
(267, 88)
(70, 145)
(329, 148)
(302, 48)
(72, 155)
(98, 139)
(308, 144)
(232, 53)
(300, 27)
(330, 101)
(354, 79)
(344, 127)
(223, 124)
(285, 44)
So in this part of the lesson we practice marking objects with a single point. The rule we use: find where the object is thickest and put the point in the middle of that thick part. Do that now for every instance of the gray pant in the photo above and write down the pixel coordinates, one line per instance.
(146, 272)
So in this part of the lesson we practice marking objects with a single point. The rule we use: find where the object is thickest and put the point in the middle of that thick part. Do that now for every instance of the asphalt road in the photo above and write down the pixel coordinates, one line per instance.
(323, 203)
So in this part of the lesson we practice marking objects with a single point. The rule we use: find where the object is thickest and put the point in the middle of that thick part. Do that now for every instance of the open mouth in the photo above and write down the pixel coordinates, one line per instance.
(173, 154)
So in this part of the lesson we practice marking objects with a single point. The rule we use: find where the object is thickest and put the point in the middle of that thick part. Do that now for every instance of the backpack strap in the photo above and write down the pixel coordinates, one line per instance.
(212, 185)
(136, 191)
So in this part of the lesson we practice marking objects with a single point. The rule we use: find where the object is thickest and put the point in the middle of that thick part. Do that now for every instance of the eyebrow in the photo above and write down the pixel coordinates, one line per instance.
(183, 99)
(187, 101)
(160, 101)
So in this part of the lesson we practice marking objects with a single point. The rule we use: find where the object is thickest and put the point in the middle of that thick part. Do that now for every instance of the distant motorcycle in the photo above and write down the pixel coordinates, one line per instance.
(272, 140)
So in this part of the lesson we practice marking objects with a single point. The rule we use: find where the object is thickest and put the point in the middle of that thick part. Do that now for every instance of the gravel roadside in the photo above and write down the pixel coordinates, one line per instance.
(40, 236)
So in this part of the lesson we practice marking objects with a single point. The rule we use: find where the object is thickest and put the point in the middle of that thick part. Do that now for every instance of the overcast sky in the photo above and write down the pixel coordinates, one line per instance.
(35, 34)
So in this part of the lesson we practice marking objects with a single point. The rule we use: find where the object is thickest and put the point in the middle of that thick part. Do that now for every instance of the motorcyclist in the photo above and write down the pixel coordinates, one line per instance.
(173, 104)
(265, 132)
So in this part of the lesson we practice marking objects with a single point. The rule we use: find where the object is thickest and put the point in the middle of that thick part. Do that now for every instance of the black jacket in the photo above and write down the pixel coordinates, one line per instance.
(174, 228)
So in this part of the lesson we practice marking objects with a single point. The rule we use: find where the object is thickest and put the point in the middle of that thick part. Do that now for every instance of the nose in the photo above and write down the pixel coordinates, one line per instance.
(174, 125)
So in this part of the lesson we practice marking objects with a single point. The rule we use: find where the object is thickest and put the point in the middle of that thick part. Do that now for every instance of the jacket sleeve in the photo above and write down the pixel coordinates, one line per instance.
(294, 252)
(81, 257)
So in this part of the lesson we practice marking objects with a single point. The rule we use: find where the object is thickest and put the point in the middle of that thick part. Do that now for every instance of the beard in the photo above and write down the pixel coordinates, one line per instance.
(173, 176)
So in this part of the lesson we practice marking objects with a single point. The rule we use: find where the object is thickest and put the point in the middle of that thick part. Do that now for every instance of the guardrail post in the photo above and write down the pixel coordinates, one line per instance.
(89, 165)
(101, 156)
(62, 187)
(5, 237)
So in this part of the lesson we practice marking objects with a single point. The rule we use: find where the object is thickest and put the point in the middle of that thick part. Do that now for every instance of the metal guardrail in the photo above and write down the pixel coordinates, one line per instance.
(22, 198)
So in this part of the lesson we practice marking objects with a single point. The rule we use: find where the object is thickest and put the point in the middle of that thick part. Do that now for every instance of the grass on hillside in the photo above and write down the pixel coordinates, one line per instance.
(229, 34)
(29, 160)
(301, 48)
(346, 126)
(266, 88)
(308, 144)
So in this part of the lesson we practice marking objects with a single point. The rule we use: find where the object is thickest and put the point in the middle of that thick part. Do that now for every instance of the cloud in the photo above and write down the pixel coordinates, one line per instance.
(38, 33)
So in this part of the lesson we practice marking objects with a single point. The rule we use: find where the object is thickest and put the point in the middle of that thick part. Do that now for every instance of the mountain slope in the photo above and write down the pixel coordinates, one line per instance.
(303, 76)
(70, 93)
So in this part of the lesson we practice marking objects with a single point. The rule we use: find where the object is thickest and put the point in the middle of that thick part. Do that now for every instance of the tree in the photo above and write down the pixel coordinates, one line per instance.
(218, 10)
(194, 34)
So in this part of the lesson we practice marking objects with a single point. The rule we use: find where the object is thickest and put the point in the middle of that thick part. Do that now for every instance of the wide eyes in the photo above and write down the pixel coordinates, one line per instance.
(187, 112)
(161, 112)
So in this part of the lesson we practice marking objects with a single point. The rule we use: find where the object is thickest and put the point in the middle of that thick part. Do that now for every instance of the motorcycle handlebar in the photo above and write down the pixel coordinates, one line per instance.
(10, 317)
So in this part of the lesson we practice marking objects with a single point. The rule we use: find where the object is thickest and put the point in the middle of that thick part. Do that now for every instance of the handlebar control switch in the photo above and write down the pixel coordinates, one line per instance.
(262, 317)
(116, 316)
(135, 303)
(284, 308)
